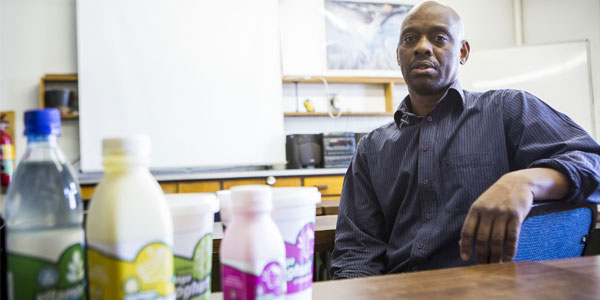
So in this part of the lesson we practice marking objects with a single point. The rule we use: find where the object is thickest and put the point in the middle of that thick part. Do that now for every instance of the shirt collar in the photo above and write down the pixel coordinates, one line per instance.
(404, 114)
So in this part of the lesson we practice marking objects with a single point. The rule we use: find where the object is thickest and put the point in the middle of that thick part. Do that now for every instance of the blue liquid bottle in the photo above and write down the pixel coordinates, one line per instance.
(44, 216)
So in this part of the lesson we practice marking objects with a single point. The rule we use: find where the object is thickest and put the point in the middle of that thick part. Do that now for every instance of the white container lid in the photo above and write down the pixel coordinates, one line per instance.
(248, 198)
(192, 204)
(224, 197)
(295, 196)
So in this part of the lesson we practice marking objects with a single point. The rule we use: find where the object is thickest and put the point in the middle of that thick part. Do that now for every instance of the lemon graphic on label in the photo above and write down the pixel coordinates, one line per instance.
(75, 268)
(202, 255)
(154, 264)
(131, 285)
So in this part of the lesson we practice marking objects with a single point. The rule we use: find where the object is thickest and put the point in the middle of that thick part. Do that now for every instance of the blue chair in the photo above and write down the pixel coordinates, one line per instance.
(555, 230)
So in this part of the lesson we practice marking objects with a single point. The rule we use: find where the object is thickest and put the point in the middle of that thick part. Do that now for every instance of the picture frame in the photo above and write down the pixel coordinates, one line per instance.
(361, 37)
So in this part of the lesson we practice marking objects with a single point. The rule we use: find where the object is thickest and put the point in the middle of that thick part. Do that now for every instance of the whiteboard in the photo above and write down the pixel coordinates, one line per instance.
(202, 78)
(559, 74)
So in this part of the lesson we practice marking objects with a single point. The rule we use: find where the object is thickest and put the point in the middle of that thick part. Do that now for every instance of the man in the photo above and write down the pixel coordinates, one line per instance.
(456, 170)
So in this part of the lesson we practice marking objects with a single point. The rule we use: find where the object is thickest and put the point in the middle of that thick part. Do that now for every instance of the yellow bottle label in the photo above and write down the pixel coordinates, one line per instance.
(148, 276)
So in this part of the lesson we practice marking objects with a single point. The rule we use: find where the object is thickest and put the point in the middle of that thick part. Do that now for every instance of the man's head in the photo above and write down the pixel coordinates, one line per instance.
(431, 47)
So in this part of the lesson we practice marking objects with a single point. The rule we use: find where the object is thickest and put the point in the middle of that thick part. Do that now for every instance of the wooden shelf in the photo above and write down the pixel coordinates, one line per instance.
(61, 81)
(387, 82)
(347, 114)
(70, 117)
(371, 80)
(60, 77)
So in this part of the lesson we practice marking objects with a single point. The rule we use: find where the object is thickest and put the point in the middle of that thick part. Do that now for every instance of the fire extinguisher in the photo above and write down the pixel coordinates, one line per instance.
(7, 158)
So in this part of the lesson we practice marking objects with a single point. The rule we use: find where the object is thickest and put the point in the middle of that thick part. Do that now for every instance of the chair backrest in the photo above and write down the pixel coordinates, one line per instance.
(555, 230)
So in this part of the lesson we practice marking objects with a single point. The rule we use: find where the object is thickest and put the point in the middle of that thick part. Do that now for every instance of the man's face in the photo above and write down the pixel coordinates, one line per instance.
(429, 52)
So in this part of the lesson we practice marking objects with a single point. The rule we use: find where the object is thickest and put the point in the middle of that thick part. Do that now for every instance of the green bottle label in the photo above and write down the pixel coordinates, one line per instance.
(192, 275)
(40, 279)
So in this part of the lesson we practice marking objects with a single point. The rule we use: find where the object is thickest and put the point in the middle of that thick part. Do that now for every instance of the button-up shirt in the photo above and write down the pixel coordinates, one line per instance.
(412, 181)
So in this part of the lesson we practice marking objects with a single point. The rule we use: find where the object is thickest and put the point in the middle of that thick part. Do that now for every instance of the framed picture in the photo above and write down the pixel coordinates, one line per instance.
(361, 37)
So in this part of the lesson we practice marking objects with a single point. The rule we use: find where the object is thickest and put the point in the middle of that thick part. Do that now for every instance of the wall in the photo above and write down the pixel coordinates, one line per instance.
(552, 21)
(38, 37)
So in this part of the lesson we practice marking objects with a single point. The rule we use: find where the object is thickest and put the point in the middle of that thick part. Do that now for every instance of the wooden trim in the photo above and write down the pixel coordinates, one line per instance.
(375, 80)
(389, 97)
(60, 77)
(41, 90)
(348, 114)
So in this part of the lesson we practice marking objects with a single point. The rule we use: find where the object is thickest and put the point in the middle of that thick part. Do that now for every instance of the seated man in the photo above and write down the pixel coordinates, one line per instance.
(454, 165)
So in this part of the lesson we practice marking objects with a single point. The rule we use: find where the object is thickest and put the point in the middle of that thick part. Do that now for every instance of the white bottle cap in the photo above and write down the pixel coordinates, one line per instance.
(295, 196)
(134, 146)
(251, 198)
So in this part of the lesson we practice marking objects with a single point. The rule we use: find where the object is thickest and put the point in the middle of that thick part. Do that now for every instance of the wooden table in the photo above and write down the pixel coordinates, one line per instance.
(329, 207)
(577, 278)
(324, 233)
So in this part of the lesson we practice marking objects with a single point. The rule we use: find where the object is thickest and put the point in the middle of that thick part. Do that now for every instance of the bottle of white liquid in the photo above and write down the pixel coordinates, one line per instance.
(44, 216)
(252, 251)
(129, 227)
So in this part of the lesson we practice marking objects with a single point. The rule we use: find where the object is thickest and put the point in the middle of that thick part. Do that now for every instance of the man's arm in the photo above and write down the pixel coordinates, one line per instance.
(360, 231)
(554, 159)
(495, 218)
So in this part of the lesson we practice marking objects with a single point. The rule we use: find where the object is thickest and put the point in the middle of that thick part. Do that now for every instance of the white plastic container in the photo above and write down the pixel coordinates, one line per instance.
(252, 251)
(193, 220)
(294, 214)
(224, 197)
(129, 227)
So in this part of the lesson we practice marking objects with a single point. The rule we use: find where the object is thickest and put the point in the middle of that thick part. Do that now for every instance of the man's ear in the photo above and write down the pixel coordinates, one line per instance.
(397, 55)
(465, 49)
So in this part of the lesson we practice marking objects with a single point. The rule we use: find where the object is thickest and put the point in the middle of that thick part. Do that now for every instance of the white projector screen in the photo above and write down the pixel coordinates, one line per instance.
(201, 78)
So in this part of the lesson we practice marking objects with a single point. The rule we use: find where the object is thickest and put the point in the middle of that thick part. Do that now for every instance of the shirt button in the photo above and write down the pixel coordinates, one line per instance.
(425, 148)
(430, 118)
(428, 217)
(425, 181)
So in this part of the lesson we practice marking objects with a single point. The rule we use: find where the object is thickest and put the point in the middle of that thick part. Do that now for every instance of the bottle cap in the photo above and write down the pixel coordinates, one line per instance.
(42, 121)
(251, 198)
(137, 145)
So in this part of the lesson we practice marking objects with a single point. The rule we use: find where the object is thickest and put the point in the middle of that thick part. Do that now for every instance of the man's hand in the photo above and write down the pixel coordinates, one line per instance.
(495, 218)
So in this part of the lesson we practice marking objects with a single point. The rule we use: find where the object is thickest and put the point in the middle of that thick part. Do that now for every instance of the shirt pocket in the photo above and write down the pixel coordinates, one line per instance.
(465, 178)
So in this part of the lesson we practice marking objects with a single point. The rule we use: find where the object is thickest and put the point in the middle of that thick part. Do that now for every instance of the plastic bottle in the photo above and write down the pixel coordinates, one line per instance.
(44, 216)
(252, 250)
(129, 227)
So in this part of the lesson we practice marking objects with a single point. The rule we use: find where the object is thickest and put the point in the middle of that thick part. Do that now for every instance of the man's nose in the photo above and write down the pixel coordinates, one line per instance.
(423, 47)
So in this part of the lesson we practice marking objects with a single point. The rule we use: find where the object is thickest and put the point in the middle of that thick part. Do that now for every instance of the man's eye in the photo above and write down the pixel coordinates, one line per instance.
(440, 38)
(409, 39)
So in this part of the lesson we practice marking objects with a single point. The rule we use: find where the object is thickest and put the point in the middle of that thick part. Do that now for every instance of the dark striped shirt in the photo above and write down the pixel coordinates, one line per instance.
(412, 181)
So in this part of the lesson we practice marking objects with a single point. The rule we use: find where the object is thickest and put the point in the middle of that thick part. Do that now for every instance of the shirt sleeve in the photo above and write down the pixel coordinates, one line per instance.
(541, 137)
(360, 241)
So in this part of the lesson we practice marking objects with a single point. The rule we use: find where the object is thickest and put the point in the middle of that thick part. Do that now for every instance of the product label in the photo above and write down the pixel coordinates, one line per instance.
(192, 275)
(239, 285)
(148, 276)
(38, 278)
(299, 260)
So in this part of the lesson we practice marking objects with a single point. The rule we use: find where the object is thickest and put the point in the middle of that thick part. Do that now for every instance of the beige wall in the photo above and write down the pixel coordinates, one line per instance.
(551, 21)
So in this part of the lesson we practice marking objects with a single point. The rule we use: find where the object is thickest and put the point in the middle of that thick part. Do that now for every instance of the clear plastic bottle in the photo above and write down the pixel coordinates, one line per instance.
(44, 216)
(129, 227)
(252, 251)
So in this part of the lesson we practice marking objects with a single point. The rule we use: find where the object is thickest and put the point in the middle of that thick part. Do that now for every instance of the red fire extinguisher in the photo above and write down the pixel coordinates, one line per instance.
(7, 158)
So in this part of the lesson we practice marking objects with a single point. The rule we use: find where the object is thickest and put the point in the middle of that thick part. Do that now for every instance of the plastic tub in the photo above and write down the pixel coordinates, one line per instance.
(193, 220)
(294, 214)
